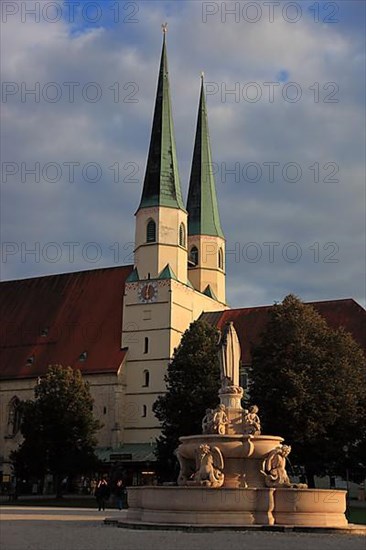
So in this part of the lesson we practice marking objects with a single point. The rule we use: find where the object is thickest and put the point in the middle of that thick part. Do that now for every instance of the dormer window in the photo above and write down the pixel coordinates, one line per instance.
(83, 356)
(30, 361)
(151, 232)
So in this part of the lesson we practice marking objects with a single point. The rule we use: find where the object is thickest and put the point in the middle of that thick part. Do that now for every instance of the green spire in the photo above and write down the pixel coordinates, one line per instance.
(161, 184)
(203, 212)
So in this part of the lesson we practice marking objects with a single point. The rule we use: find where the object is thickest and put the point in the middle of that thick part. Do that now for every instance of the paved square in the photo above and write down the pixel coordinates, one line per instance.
(46, 528)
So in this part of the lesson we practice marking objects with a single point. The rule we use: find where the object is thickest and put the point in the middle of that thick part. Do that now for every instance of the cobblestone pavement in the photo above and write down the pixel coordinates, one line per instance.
(41, 528)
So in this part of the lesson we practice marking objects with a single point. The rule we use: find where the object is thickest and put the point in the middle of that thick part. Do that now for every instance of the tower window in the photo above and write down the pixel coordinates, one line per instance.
(146, 345)
(221, 258)
(151, 232)
(146, 379)
(30, 361)
(83, 356)
(144, 411)
(193, 256)
(182, 235)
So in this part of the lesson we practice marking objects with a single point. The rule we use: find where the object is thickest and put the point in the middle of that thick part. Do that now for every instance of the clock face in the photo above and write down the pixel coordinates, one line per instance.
(148, 292)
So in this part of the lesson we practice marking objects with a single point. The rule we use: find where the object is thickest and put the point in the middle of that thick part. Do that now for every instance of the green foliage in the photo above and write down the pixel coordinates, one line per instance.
(309, 382)
(193, 381)
(58, 427)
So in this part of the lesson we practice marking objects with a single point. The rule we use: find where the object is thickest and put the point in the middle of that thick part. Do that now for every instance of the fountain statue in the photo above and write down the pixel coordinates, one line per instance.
(240, 473)
(229, 356)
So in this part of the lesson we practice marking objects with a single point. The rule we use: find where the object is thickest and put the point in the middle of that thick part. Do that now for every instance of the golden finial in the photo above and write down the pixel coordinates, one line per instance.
(202, 75)
(164, 27)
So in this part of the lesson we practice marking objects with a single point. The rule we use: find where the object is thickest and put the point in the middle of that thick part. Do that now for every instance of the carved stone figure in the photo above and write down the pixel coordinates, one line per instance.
(209, 464)
(274, 467)
(251, 421)
(186, 468)
(219, 420)
(229, 356)
(207, 422)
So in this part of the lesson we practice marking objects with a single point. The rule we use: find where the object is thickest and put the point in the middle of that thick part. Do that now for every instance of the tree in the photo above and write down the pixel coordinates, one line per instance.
(193, 381)
(309, 382)
(58, 428)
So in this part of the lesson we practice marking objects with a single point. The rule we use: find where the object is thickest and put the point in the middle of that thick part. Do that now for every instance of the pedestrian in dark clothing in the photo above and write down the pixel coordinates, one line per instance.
(119, 494)
(102, 493)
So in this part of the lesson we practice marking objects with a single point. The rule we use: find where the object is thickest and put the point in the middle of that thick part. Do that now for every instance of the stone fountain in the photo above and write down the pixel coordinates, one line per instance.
(232, 475)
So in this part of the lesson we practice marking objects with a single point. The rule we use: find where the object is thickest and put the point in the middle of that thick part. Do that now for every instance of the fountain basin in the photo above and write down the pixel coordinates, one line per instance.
(243, 455)
(236, 507)
(200, 505)
(231, 446)
(310, 507)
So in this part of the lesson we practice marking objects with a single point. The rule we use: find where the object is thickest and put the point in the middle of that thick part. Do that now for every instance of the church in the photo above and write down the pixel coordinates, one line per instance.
(120, 325)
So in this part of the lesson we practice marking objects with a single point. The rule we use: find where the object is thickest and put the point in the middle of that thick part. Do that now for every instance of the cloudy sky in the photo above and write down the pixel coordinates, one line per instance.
(285, 89)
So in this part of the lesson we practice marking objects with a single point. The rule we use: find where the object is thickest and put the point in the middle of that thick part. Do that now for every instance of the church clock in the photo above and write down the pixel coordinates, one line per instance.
(148, 292)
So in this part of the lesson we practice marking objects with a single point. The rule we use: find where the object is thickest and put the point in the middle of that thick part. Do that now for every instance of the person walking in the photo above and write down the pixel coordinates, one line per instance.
(102, 493)
(119, 494)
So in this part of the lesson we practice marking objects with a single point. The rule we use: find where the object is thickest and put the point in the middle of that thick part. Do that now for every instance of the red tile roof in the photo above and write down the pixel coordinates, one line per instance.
(54, 319)
(251, 321)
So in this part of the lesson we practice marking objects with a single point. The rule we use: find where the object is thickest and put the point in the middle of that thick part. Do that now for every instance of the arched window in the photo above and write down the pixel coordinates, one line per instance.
(182, 235)
(221, 258)
(244, 379)
(13, 417)
(146, 379)
(146, 345)
(144, 411)
(151, 232)
(193, 256)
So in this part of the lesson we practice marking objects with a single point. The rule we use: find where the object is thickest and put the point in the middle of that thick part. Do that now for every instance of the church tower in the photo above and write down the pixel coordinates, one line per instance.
(159, 300)
(161, 219)
(206, 242)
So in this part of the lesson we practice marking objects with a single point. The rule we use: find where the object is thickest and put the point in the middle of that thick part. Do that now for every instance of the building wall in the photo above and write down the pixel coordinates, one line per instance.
(109, 408)
(22, 389)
